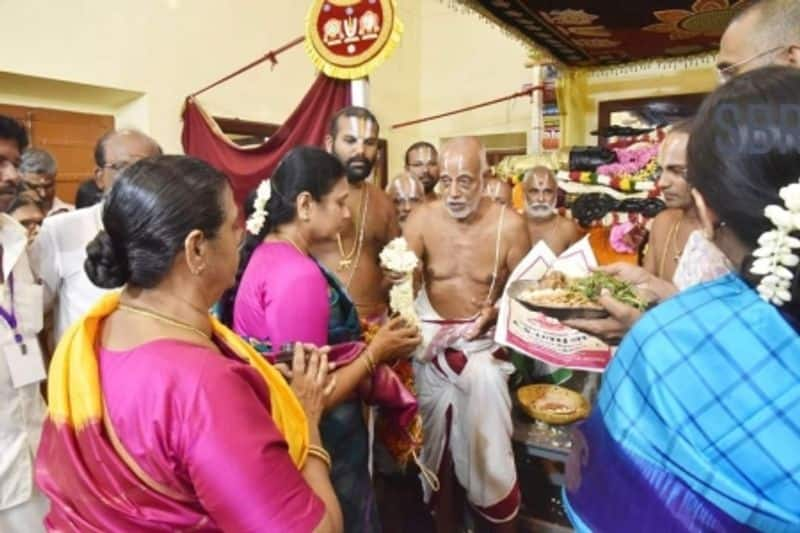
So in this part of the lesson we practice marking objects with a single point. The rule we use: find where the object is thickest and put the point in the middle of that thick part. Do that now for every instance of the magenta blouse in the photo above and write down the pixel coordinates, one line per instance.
(276, 274)
(199, 423)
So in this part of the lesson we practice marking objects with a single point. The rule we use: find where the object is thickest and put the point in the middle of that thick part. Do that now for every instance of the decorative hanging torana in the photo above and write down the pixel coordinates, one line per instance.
(590, 33)
(348, 39)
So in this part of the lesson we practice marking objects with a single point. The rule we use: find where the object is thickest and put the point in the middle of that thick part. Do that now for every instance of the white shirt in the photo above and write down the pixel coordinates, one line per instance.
(59, 206)
(22, 409)
(57, 257)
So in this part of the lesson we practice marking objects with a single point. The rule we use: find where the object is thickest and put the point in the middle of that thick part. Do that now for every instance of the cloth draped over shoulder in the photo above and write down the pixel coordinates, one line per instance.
(81, 455)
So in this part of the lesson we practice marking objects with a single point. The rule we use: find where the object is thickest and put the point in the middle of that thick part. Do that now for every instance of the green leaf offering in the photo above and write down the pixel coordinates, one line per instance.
(592, 286)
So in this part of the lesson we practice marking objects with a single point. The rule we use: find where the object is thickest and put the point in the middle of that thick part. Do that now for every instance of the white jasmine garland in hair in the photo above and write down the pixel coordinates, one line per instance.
(256, 221)
(775, 257)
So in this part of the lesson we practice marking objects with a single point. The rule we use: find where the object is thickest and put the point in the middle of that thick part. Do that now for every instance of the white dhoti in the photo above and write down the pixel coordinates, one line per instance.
(466, 379)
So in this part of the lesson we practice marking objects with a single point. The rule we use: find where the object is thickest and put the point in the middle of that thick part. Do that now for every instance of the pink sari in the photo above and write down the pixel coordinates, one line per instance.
(171, 436)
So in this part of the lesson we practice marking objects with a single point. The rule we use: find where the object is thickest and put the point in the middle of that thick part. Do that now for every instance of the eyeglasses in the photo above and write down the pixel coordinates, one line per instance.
(119, 166)
(731, 71)
(39, 184)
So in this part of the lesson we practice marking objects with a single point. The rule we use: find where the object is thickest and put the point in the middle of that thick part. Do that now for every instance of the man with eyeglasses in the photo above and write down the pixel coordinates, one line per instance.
(767, 32)
(422, 162)
(59, 251)
(38, 170)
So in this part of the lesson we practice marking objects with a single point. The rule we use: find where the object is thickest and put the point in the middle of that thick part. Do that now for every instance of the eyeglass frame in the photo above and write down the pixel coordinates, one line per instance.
(731, 71)
(118, 166)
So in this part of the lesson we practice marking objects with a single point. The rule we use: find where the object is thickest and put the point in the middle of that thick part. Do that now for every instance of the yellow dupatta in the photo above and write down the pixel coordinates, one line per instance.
(75, 397)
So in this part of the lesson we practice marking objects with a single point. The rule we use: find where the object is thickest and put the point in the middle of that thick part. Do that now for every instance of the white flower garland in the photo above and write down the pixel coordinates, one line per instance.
(398, 258)
(256, 221)
(775, 257)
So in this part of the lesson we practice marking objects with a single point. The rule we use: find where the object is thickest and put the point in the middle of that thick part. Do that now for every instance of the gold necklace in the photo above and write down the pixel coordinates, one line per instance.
(163, 318)
(289, 240)
(347, 259)
(359, 248)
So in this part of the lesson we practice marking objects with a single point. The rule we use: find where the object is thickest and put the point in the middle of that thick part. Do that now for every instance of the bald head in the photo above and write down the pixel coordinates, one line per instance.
(407, 193)
(462, 163)
(539, 173)
(541, 192)
(463, 154)
(119, 149)
(764, 33)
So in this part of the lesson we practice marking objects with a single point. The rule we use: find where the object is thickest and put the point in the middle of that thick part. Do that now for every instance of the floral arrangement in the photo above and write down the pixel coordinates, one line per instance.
(626, 237)
(398, 258)
(630, 160)
(611, 219)
(641, 181)
(776, 256)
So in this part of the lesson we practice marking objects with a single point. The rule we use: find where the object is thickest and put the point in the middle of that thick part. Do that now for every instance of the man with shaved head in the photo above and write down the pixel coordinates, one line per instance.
(59, 251)
(766, 32)
(544, 222)
(468, 246)
(496, 189)
(407, 193)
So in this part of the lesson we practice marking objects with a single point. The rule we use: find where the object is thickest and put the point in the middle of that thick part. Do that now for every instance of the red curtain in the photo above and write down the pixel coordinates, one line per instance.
(307, 125)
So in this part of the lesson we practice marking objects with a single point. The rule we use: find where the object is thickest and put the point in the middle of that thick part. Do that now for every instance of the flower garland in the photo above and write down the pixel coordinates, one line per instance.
(611, 219)
(654, 137)
(259, 216)
(630, 161)
(639, 182)
(775, 256)
(398, 258)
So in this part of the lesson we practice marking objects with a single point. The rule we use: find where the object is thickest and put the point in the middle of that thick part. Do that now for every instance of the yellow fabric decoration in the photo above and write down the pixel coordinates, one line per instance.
(75, 396)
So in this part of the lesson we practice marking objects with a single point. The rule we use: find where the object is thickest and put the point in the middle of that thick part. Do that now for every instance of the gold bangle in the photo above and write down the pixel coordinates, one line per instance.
(320, 453)
(368, 361)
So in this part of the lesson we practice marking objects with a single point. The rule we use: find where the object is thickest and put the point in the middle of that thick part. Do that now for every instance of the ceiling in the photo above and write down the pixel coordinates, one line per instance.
(584, 33)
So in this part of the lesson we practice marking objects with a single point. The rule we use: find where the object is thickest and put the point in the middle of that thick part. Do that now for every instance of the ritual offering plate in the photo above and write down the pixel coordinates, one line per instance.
(552, 404)
(562, 298)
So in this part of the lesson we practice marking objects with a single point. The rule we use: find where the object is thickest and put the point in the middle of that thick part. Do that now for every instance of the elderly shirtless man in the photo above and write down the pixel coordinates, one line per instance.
(468, 245)
(544, 222)
(353, 256)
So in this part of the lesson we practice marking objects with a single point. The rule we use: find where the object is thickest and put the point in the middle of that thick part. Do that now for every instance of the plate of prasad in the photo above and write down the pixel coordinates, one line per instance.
(562, 297)
(552, 404)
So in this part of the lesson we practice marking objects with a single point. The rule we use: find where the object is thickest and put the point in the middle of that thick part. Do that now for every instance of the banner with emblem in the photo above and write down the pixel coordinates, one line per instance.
(348, 39)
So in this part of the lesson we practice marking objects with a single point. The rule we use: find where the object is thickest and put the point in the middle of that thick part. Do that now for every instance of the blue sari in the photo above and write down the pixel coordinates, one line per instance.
(697, 426)
(344, 432)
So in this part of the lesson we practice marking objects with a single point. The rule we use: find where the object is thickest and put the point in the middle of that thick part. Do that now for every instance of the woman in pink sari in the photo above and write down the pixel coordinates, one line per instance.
(285, 296)
(160, 418)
